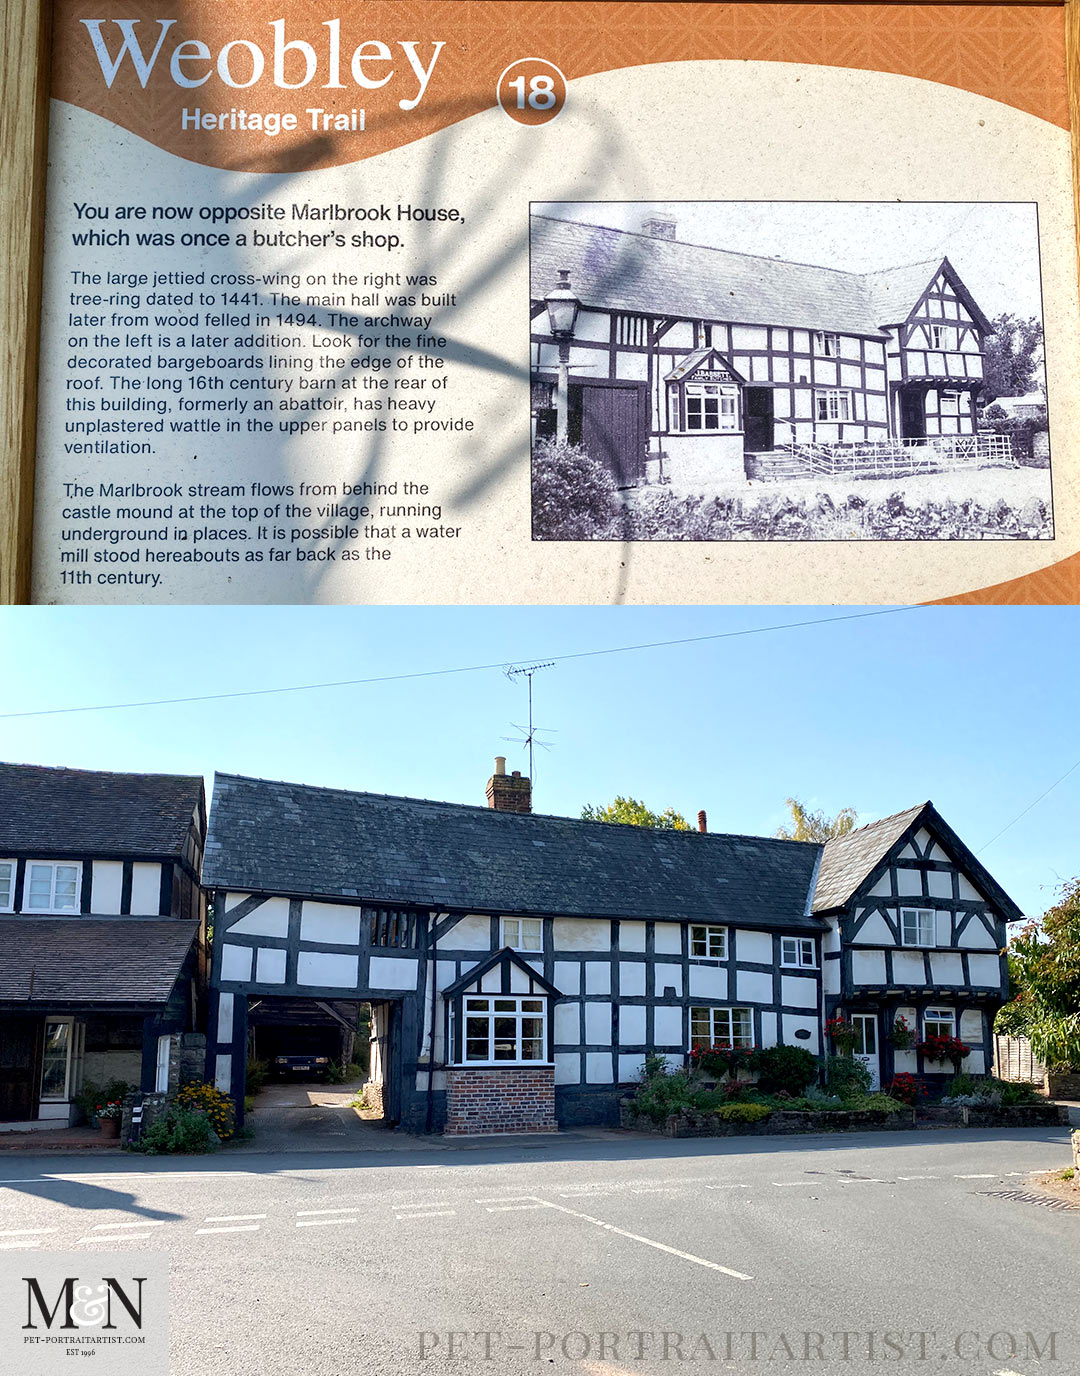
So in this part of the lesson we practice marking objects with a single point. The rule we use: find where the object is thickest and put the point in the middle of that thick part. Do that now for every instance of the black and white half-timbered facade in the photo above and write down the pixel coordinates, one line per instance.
(916, 929)
(519, 967)
(102, 934)
(689, 362)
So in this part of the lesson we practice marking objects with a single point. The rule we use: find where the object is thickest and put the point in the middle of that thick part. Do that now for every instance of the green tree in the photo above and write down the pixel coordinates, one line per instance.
(1011, 356)
(815, 826)
(1044, 979)
(635, 814)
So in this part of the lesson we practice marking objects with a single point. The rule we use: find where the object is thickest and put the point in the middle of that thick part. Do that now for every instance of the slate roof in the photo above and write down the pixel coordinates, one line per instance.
(101, 961)
(847, 860)
(294, 839)
(619, 270)
(89, 812)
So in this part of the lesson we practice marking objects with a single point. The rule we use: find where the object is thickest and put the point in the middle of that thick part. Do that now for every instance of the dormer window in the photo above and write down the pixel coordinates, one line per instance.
(7, 885)
(51, 887)
(827, 345)
(523, 933)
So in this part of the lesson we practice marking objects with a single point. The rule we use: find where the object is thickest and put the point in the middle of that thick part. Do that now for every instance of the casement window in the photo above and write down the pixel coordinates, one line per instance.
(7, 885)
(832, 404)
(942, 337)
(827, 345)
(798, 950)
(721, 1026)
(953, 404)
(523, 933)
(501, 1030)
(709, 941)
(917, 927)
(939, 1022)
(710, 406)
(51, 887)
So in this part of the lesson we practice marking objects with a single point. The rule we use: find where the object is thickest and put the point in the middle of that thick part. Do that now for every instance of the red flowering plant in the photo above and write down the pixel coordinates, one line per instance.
(842, 1034)
(717, 1059)
(942, 1048)
(902, 1035)
(909, 1089)
(112, 1108)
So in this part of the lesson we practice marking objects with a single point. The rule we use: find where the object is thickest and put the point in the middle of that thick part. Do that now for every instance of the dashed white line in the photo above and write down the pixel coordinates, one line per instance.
(321, 1222)
(727, 1187)
(783, 1184)
(918, 1177)
(442, 1213)
(974, 1177)
(506, 1199)
(310, 1213)
(648, 1242)
(232, 1228)
(145, 1223)
(232, 1218)
(115, 1237)
(511, 1208)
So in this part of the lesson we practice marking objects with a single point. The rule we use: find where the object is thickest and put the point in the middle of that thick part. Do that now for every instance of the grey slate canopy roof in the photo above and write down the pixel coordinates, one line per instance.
(297, 840)
(849, 860)
(103, 961)
(618, 270)
(85, 812)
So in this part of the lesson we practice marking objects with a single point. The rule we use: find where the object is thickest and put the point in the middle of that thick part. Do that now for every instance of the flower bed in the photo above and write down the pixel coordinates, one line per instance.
(690, 1122)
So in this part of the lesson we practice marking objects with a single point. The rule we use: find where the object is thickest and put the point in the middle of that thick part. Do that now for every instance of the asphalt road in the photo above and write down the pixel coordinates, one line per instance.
(571, 1255)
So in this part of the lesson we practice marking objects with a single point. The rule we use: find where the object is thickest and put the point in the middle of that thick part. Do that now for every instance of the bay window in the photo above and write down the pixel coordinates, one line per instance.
(499, 1030)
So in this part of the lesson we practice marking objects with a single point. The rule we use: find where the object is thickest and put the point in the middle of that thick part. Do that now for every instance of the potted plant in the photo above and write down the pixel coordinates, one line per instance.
(902, 1035)
(842, 1034)
(108, 1117)
(939, 1048)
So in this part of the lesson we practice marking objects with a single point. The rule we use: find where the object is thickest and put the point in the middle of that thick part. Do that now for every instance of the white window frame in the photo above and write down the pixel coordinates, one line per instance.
(945, 1017)
(799, 951)
(955, 405)
(715, 1016)
(54, 866)
(161, 1064)
(66, 1095)
(920, 914)
(515, 939)
(829, 399)
(727, 407)
(12, 868)
(711, 937)
(943, 338)
(826, 344)
(490, 1012)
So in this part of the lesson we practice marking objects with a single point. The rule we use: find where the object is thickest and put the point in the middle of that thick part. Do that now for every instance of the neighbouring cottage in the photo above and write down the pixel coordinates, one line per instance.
(697, 363)
(521, 967)
(102, 935)
(916, 929)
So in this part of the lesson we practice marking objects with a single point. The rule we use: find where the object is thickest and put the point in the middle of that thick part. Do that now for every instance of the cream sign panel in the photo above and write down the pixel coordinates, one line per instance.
(329, 319)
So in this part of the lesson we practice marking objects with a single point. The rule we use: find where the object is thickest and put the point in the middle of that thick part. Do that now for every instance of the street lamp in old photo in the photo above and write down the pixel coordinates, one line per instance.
(562, 308)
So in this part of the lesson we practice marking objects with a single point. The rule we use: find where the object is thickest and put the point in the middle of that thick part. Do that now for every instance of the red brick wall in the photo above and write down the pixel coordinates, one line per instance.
(517, 1099)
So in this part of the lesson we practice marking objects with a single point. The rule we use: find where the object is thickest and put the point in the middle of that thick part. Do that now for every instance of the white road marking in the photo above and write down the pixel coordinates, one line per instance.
(727, 1187)
(442, 1213)
(1008, 1373)
(308, 1213)
(143, 1223)
(115, 1237)
(918, 1177)
(10, 1246)
(506, 1199)
(25, 1232)
(656, 1189)
(322, 1222)
(648, 1241)
(232, 1218)
(974, 1177)
(510, 1208)
(862, 1180)
(783, 1184)
(233, 1228)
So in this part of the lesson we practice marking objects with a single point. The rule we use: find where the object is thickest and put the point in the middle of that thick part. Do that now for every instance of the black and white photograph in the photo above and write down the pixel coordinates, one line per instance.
(788, 371)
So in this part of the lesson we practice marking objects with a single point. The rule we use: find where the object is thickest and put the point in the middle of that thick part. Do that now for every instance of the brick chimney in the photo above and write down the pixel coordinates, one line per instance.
(508, 792)
(659, 227)
(702, 822)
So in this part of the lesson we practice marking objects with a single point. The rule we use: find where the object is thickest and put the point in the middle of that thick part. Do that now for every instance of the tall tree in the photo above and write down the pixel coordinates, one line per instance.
(1044, 978)
(815, 826)
(635, 814)
(1011, 356)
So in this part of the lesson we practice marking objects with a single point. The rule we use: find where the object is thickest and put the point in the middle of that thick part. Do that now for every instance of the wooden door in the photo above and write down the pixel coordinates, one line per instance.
(912, 416)
(613, 429)
(758, 420)
(20, 1045)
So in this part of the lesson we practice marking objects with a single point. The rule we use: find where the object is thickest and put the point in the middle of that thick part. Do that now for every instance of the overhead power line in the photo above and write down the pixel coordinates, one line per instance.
(460, 669)
(1071, 770)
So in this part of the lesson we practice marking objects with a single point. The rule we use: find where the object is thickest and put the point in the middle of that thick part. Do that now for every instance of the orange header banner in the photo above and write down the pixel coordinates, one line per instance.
(253, 87)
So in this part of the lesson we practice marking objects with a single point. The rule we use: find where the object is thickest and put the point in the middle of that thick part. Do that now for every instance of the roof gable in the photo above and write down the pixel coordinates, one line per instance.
(56, 811)
(707, 361)
(505, 961)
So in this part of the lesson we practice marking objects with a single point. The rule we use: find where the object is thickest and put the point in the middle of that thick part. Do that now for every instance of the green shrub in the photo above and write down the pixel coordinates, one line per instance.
(178, 1130)
(258, 1072)
(846, 1076)
(743, 1113)
(817, 1100)
(662, 1092)
(1018, 1092)
(573, 495)
(882, 1103)
(785, 1069)
(338, 1074)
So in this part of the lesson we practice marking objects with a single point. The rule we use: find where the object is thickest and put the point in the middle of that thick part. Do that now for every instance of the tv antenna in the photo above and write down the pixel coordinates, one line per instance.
(530, 739)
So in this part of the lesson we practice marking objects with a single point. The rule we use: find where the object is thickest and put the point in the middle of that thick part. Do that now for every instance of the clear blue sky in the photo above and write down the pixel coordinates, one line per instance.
(974, 708)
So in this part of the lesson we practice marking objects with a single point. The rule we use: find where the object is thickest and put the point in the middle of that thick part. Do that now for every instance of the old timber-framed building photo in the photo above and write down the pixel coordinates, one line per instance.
(704, 371)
